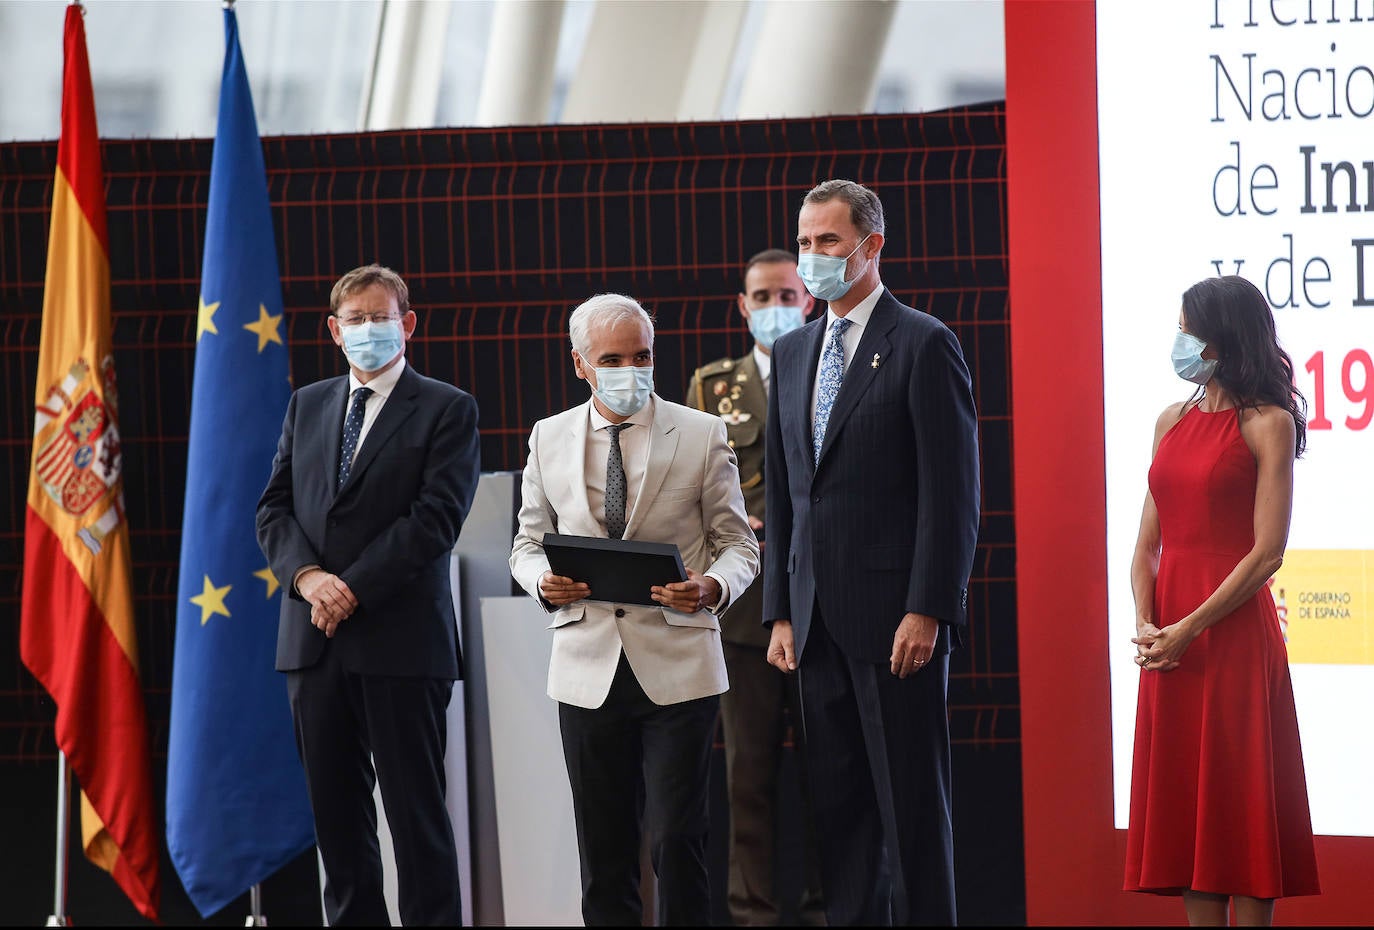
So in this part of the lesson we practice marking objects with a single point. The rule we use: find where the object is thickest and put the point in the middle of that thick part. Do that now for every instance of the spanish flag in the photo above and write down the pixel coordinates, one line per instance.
(77, 626)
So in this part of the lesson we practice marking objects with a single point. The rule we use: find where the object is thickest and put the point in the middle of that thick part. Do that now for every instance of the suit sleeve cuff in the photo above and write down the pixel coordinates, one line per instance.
(297, 577)
(724, 601)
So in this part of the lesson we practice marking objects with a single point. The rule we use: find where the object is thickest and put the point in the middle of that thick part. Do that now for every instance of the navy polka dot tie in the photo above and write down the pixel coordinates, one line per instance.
(615, 484)
(353, 426)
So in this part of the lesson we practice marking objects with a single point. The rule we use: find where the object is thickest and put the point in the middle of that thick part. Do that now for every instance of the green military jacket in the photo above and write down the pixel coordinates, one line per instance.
(732, 389)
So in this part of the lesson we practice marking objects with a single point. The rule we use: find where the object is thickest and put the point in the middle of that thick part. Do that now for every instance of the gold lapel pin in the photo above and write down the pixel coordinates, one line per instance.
(877, 360)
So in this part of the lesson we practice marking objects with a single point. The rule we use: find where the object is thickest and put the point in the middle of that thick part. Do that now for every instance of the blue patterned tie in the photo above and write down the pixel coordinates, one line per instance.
(832, 373)
(353, 426)
(615, 484)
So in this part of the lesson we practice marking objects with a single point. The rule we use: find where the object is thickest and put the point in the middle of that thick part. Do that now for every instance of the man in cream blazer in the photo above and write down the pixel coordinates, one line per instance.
(637, 685)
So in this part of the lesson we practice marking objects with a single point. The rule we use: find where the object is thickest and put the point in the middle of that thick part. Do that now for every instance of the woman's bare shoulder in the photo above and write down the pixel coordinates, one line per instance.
(1168, 420)
(1268, 423)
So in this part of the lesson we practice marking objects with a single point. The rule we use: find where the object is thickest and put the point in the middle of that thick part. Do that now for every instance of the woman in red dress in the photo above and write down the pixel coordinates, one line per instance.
(1218, 797)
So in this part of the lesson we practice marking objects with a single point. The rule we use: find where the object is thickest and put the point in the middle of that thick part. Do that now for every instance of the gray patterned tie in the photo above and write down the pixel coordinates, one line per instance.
(353, 426)
(832, 373)
(615, 484)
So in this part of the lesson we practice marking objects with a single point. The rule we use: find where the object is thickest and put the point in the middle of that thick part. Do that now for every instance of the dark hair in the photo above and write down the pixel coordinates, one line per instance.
(360, 279)
(1233, 318)
(865, 209)
(770, 257)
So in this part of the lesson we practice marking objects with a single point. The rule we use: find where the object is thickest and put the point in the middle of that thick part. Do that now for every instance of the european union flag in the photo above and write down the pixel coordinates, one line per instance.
(237, 809)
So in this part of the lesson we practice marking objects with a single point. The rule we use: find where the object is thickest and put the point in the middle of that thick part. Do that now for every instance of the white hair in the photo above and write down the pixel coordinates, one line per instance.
(607, 310)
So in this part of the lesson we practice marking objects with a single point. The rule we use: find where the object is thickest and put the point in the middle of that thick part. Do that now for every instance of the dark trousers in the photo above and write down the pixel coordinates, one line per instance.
(345, 725)
(753, 715)
(878, 748)
(635, 765)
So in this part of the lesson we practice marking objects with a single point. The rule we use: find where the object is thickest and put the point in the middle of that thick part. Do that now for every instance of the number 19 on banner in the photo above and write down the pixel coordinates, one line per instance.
(1357, 384)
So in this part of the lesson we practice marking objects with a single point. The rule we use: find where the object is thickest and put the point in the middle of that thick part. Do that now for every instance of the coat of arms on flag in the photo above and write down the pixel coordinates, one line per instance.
(78, 460)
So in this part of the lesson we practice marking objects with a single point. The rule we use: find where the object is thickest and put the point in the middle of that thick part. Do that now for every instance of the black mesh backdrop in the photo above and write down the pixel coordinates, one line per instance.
(499, 233)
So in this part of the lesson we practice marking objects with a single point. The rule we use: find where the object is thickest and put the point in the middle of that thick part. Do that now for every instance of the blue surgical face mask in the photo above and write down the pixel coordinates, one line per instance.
(1188, 360)
(624, 390)
(823, 275)
(768, 323)
(370, 345)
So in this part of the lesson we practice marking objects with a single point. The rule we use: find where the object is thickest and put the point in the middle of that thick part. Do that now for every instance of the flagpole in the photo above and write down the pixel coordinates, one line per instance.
(255, 919)
(58, 917)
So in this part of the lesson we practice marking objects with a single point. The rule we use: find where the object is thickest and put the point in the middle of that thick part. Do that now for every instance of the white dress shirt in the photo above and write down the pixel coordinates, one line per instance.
(634, 453)
(381, 386)
(858, 318)
(634, 456)
(764, 361)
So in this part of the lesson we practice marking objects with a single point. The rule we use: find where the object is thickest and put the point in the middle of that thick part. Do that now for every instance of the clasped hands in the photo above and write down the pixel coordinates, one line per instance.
(331, 601)
(696, 593)
(912, 645)
(1161, 650)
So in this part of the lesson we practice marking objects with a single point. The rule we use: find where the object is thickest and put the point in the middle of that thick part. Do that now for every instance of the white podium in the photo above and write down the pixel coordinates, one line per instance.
(541, 878)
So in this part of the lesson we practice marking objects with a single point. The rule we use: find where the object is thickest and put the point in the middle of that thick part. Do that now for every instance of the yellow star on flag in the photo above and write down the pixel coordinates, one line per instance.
(266, 575)
(205, 319)
(265, 328)
(211, 601)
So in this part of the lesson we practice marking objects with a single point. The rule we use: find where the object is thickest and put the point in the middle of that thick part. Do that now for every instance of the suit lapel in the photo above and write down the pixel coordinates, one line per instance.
(397, 409)
(861, 371)
(576, 446)
(335, 407)
(803, 367)
(663, 437)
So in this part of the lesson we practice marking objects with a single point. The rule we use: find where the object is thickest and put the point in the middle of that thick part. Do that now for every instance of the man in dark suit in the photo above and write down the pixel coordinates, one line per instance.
(373, 477)
(773, 302)
(872, 496)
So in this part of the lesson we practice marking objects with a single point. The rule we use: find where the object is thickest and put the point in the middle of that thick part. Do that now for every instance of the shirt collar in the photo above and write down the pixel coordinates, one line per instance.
(860, 314)
(644, 416)
(383, 384)
(764, 361)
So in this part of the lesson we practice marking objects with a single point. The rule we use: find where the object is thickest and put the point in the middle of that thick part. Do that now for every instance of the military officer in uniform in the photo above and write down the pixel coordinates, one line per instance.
(752, 712)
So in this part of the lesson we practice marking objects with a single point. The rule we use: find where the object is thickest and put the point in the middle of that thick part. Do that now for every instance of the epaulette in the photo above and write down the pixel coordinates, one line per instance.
(711, 369)
(719, 367)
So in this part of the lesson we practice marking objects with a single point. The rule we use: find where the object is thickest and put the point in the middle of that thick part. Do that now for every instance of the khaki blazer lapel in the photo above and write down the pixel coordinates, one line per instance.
(663, 438)
(579, 511)
(752, 394)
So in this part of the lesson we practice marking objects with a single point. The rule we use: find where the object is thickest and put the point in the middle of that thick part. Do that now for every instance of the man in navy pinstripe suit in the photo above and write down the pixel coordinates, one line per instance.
(872, 501)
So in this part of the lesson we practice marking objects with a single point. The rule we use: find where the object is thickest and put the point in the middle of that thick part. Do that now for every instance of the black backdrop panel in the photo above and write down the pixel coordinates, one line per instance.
(499, 233)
